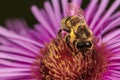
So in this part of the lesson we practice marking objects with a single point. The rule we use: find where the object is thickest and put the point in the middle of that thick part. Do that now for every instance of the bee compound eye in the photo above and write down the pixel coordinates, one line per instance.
(88, 44)
(80, 46)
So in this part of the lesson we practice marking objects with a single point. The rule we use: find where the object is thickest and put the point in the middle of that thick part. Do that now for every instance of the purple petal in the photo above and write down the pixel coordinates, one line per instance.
(21, 74)
(17, 51)
(11, 63)
(78, 2)
(51, 15)
(12, 70)
(114, 64)
(117, 57)
(90, 8)
(35, 35)
(16, 25)
(113, 45)
(111, 35)
(26, 45)
(114, 73)
(64, 5)
(42, 20)
(111, 77)
(108, 13)
(15, 36)
(5, 42)
(56, 7)
(112, 25)
(115, 68)
(115, 50)
(99, 12)
(114, 16)
(15, 57)
(114, 40)
(44, 35)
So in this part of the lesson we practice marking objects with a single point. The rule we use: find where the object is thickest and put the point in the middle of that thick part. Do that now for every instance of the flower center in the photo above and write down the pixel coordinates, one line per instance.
(59, 63)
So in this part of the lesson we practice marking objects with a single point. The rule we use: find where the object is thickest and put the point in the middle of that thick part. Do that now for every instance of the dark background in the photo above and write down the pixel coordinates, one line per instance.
(10, 9)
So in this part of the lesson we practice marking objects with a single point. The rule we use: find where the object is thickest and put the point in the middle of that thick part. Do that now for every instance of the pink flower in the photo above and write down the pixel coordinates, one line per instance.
(20, 45)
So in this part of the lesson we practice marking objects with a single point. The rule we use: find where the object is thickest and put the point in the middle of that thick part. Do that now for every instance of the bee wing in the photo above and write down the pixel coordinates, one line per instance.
(73, 9)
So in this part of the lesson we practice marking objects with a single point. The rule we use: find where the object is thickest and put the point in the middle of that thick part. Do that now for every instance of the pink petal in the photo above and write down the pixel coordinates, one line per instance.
(111, 35)
(114, 45)
(115, 68)
(99, 12)
(64, 5)
(41, 19)
(9, 63)
(15, 57)
(16, 25)
(26, 46)
(111, 77)
(90, 8)
(18, 51)
(115, 15)
(57, 11)
(44, 35)
(112, 25)
(51, 15)
(114, 73)
(78, 2)
(108, 13)
(114, 64)
(12, 70)
(117, 57)
(15, 36)
(115, 50)
(22, 74)
(116, 38)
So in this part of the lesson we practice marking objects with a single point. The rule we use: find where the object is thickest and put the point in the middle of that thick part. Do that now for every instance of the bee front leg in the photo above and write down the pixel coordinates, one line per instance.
(63, 29)
(68, 42)
(60, 33)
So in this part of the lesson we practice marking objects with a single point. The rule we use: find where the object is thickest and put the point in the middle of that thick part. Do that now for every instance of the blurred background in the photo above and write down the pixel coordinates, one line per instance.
(12, 9)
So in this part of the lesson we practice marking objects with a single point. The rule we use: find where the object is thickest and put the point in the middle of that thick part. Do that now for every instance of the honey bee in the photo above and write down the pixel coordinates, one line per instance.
(78, 34)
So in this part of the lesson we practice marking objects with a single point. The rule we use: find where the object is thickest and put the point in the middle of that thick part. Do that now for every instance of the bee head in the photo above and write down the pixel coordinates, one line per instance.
(82, 45)
(83, 42)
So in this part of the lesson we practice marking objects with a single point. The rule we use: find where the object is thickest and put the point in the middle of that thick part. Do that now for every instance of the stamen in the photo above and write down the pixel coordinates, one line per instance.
(59, 63)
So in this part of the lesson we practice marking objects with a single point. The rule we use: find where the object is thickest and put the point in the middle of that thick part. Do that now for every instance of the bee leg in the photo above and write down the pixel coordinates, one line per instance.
(76, 53)
(68, 42)
(83, 55)
(59, 33)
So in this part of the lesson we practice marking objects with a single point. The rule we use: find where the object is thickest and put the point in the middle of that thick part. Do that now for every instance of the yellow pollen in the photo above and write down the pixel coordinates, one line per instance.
(59, 63)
